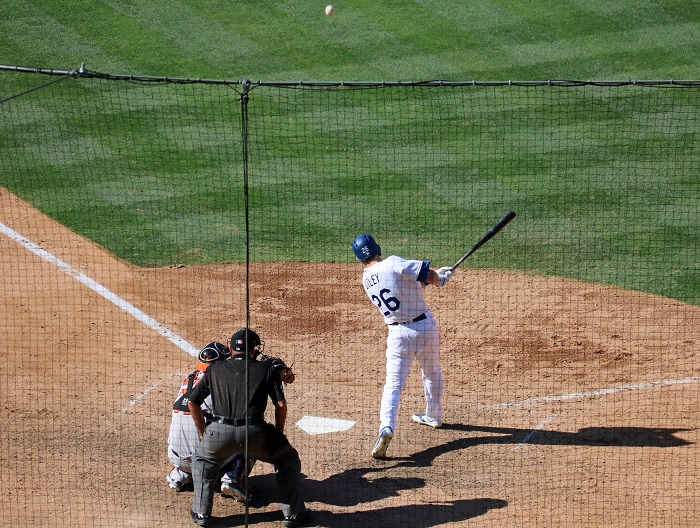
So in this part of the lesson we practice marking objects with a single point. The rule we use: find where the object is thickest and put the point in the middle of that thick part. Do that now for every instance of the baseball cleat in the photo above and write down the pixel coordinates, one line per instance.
(174, 484)
(385, 436)
(424, 420)
(201, 519)
(235, 491)
(299, 519)
(178, 479)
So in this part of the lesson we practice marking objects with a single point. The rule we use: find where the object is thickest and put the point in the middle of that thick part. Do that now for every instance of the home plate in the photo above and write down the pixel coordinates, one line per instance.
(319, 425)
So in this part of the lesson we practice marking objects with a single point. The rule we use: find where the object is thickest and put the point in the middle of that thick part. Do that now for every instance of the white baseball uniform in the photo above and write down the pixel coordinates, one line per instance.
(183, 437)
(395, 286)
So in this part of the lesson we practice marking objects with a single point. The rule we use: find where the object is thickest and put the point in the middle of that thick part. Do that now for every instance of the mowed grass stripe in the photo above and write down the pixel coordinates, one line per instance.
(666, 40)
(366, 40)
(27, 38)
(148, 34)
(198, 38)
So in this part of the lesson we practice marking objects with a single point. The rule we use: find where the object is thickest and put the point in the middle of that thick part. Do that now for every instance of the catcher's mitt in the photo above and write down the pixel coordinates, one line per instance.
(285, 372)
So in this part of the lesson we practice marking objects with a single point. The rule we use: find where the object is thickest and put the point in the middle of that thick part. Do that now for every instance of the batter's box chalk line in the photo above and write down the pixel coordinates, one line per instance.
(596, 393)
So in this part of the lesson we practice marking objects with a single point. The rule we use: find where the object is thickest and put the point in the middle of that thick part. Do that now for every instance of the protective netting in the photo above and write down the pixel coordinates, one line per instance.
(142, 218)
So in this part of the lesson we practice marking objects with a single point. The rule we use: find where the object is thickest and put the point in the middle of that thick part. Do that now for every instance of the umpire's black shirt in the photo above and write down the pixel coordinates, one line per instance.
(225, 381)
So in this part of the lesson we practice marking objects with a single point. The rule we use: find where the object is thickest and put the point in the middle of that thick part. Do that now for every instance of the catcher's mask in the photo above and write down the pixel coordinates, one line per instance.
(210, 353)
(245, 336)
(364, 247)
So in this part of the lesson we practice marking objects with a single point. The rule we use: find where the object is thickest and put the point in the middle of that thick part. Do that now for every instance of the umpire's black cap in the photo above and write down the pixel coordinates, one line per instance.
(238, 341)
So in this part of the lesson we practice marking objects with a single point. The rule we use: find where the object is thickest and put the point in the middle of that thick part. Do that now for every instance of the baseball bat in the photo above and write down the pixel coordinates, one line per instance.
(488, 236)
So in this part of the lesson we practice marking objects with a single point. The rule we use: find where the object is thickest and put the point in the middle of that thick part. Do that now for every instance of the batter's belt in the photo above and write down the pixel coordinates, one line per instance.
(419, 318)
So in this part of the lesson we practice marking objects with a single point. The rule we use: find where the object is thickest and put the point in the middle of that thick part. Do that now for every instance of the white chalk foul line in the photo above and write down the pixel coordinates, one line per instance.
(110, 296)
(101, 290)
(599, 392)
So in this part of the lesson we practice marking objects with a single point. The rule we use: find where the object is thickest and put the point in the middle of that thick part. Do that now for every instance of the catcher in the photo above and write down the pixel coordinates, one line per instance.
(183, 437)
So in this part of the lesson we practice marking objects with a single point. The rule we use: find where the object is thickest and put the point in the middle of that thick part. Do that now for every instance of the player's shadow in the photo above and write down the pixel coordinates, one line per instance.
(362, 485)
(352, 487)
(347, 488)
(589, 436)
(413, 516)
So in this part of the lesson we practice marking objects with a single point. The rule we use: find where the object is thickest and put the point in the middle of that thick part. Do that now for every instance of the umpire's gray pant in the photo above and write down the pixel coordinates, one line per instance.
(265, 443)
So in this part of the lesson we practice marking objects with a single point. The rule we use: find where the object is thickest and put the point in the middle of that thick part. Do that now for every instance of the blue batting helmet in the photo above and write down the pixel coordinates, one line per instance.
(365, 247)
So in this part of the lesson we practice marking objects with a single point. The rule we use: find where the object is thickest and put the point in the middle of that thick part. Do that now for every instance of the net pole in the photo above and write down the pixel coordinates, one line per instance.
(244, 141)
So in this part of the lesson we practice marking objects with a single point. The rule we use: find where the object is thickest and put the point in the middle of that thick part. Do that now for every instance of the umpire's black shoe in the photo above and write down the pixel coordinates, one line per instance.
(300, 519)
(202, 519)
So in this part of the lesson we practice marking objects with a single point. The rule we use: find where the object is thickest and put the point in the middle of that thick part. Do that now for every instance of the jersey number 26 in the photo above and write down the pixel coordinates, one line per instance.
(385, 302)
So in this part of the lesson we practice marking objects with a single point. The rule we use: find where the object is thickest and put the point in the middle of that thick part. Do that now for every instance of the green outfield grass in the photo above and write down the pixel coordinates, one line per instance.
(366, 40)
(613, 214)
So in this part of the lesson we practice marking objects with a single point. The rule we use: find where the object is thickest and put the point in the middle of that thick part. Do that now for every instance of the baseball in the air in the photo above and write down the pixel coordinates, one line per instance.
(330, 10)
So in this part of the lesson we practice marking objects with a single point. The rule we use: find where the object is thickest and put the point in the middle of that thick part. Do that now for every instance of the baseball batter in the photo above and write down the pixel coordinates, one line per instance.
(395, 286)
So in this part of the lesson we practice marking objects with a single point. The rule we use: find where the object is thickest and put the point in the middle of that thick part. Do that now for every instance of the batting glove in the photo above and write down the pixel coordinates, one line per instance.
(443, 279)
(446, 270)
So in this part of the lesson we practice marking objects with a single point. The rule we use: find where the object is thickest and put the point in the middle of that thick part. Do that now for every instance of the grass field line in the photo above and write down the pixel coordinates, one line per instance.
(100, 290)
(595, 393)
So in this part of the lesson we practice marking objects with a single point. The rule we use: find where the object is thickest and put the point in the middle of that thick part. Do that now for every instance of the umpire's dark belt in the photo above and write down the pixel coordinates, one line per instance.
(237, 422)
(419, 318)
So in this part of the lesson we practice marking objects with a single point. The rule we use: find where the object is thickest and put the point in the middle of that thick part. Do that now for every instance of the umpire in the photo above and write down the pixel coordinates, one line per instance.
(234, 401)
